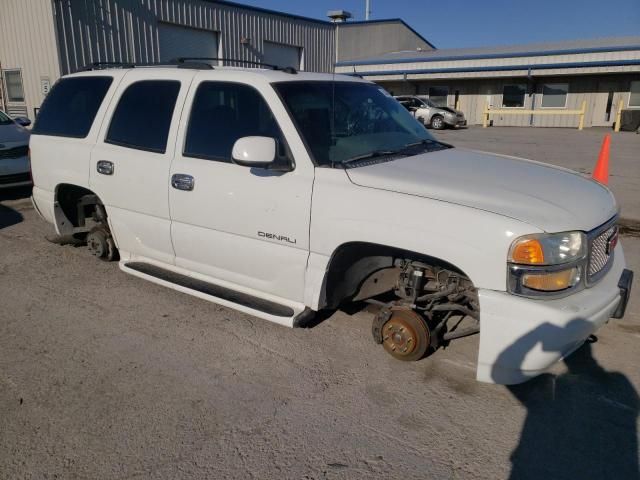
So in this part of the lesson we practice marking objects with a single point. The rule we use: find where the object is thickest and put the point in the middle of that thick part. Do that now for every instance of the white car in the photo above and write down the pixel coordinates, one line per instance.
(14, 151)
(281, 194)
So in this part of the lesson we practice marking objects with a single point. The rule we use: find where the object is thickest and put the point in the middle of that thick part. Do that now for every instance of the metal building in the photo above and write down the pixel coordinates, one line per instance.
(44, 39)
(551, 78)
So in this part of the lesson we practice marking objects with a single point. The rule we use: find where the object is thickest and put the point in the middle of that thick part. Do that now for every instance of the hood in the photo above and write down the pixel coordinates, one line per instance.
(449, 109)
(550, 198)
(14, 133)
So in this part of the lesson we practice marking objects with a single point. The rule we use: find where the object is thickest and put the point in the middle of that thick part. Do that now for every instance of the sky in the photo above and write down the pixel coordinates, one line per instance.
(478, 23)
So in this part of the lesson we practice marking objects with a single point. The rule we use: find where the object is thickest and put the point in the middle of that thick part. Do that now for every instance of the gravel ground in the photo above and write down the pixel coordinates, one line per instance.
(103, 375)
(565, 147)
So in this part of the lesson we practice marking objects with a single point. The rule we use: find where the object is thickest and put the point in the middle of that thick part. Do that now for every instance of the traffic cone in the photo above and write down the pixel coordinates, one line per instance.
(601, 172)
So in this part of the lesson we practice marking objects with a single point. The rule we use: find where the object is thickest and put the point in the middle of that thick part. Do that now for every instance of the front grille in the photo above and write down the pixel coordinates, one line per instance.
(599, 254)
(16, 152)
(16, 178)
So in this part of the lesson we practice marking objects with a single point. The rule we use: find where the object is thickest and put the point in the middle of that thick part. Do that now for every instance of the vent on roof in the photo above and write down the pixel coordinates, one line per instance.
(338, 16)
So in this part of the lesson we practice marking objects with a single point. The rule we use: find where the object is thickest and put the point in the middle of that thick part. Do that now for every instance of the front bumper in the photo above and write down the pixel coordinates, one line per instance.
(521, 338)
(14, 172)
(455, 121)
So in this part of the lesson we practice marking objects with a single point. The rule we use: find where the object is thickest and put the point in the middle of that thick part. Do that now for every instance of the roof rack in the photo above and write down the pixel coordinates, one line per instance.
(198, 63)
(172, 63)
(186, 60)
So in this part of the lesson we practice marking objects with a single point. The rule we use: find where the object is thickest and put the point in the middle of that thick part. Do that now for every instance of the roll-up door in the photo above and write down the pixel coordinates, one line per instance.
(178, 41)
(282, 55)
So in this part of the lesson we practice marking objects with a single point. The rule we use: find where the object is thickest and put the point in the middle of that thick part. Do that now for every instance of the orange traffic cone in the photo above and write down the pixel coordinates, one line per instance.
(601, 172)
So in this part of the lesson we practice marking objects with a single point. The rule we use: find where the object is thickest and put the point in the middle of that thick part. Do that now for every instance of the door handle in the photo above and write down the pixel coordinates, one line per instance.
(180, 181)
(105, 167)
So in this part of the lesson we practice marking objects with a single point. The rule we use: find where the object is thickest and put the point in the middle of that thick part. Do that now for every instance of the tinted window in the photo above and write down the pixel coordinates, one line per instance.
(143, 116)
(71, 106)
(554, 95)
(224, 112)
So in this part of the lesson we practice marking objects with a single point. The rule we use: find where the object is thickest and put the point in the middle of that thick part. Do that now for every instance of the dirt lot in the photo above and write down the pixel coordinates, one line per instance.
(566, 147)
(103, 375)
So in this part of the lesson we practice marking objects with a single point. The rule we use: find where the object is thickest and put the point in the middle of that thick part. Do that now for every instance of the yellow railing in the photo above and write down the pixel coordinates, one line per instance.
(516, 111)
(616, 128)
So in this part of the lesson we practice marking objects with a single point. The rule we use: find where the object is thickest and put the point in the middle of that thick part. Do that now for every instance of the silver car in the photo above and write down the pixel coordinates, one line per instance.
(430, 114)
(14, 151)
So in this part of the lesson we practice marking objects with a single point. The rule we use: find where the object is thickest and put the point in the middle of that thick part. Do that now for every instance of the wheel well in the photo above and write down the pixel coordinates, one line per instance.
(353, 263)
(75, 205)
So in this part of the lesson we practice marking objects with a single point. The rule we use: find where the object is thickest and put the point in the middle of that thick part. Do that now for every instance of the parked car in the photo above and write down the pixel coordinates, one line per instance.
(283, 194)
(14, 151)
(431, 115)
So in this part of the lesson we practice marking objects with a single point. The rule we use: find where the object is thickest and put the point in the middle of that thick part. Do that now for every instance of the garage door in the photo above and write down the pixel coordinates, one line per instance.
(282, 55)
(177, 41)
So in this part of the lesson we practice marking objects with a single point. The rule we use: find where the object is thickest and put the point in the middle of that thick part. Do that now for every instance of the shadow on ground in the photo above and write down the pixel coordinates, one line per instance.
(581, 424)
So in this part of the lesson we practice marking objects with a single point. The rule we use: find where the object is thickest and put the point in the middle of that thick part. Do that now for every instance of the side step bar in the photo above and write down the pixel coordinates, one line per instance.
(238, 298)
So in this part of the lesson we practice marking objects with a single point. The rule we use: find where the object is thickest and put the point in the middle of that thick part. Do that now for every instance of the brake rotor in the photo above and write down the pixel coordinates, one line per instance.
(405, 335)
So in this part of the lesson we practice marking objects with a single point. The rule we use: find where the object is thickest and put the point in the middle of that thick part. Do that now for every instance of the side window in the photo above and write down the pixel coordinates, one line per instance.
(142, 118)
(222, 113)
(71, 106)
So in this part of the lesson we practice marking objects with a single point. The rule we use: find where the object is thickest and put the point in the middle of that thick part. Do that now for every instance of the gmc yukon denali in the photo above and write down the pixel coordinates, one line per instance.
(282, 193)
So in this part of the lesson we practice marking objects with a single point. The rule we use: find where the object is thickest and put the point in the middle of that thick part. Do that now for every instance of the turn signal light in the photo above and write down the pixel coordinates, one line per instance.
(553, 281)
(527, 252)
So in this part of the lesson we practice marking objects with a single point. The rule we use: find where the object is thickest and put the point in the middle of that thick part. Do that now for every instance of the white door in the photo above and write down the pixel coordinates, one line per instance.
(178, 41)
(604, 107)
(245, 226)
(130, 162)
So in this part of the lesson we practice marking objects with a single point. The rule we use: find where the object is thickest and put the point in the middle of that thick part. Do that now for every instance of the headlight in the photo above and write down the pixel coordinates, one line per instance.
(547, 264)
(548, 249)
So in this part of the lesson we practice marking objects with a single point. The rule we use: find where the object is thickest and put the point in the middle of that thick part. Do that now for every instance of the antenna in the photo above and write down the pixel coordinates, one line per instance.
(367, 10)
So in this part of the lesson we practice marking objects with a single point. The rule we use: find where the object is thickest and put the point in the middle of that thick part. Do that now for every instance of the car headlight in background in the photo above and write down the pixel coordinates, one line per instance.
(547, 264)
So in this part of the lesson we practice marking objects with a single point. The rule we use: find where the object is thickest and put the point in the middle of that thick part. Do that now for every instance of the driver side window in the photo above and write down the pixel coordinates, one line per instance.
(222, 113)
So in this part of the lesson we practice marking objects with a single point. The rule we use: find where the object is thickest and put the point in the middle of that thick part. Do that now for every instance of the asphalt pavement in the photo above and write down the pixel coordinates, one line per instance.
(106, 376)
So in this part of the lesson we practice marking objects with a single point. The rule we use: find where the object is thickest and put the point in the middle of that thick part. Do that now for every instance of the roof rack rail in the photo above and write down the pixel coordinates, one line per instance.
(103, 65)
(186, 60)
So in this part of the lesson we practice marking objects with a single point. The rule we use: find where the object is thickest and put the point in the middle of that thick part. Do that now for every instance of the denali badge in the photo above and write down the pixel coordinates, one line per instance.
(612, 241)
(274, 236)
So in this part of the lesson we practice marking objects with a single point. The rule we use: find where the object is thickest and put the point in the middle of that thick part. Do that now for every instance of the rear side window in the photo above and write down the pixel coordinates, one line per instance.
(223, 112)
(142, 118)
(71, 106)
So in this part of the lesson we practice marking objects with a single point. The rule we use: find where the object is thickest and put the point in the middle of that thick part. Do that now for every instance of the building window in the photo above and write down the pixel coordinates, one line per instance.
(13, 82)
(438, 95)
(554, 95)
(142, 118)
(513, 96)
(634, 94)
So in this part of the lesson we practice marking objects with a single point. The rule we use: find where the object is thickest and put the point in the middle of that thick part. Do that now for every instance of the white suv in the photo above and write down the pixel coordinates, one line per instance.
(281, 194)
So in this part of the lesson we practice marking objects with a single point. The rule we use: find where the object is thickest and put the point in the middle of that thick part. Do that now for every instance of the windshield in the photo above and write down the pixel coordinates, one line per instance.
(4, 119)
(346, 121)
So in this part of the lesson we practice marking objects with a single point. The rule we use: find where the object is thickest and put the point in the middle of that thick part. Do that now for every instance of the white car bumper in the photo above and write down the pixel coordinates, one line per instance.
(14, 172)
(521, 338)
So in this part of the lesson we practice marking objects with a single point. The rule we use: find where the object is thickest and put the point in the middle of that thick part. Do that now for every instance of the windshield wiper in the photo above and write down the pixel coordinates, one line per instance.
(374, 154)
(426, 141)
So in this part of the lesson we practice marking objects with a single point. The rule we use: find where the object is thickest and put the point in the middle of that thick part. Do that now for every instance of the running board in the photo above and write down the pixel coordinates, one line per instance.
(276, 312)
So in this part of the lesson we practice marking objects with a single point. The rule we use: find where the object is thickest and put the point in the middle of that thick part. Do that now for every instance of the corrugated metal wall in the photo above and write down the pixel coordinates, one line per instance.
(127, 31)
(28, 43)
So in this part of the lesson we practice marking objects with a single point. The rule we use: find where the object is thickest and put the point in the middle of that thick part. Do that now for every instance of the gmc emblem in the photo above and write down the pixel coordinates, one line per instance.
(612, 241)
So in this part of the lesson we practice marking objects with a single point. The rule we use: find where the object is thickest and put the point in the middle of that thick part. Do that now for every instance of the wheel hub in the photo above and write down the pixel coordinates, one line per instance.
(405, 335)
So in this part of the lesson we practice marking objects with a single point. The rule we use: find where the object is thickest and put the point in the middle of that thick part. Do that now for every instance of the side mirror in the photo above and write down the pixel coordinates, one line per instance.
(24, 121)
(254, 151)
